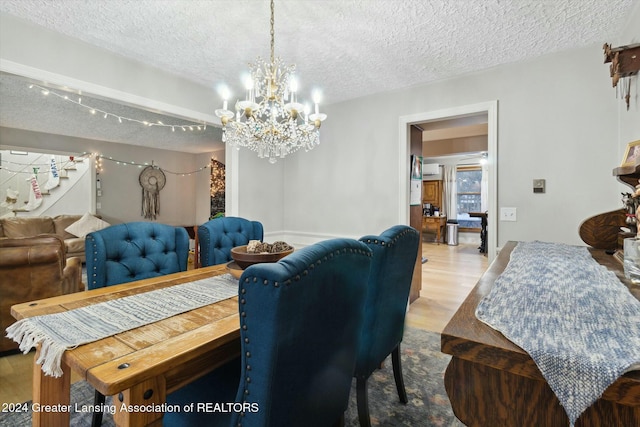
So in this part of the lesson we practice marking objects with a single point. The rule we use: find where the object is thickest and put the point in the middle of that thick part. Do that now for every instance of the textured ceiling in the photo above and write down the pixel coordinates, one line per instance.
(22, 107)
(346, 48)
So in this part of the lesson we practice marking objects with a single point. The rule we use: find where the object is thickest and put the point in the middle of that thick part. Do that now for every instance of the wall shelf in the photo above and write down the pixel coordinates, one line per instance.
(628, 174)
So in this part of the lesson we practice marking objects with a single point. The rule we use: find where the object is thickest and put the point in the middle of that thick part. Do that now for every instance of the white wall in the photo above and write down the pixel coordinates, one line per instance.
(258, 187)
(558, 120)
(36, 52)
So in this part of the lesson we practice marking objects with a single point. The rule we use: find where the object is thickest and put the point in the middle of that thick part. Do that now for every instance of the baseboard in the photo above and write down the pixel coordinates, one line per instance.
(301, 239)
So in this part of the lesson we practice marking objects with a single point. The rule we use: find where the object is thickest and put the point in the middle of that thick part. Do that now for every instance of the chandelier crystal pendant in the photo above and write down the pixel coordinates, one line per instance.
(271, 121)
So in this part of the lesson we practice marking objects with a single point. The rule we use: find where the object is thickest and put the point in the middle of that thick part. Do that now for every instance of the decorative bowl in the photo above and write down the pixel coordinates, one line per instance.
(234, 269)
(244, 259)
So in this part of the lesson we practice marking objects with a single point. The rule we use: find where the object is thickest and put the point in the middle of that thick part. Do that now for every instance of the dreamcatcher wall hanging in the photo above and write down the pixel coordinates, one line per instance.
(152, 180)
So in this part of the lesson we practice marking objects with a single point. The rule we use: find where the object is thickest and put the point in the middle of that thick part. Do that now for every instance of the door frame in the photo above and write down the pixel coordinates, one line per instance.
(404, 122)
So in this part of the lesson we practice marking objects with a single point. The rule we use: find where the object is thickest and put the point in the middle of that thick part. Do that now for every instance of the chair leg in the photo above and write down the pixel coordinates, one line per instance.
(397, 374)
(98, 401)
(363, 402)
(340, 422)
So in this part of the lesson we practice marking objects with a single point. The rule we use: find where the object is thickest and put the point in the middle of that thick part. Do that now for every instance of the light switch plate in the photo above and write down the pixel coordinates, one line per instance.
(508, 214)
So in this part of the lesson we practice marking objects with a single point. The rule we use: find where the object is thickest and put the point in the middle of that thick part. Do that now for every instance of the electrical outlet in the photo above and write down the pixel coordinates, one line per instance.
(508, 214)
(98, 205)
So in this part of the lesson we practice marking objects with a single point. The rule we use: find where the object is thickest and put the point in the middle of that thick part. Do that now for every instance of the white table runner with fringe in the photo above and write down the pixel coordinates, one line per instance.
(63, 331)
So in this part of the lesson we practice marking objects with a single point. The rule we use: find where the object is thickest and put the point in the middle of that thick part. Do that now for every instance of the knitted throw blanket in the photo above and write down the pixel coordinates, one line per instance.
(67, 330)
(577, 321)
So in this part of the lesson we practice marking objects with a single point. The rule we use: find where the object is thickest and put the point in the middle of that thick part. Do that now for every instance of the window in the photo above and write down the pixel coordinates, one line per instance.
(469, 183)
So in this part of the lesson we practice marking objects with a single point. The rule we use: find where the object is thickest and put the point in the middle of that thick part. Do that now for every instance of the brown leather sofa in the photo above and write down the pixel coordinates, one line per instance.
(17, 227)
(33, 268)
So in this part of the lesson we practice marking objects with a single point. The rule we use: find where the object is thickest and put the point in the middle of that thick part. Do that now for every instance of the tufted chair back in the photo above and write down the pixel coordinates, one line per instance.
(218, 236)
(394, 257)
(133, 251)
(300, 321)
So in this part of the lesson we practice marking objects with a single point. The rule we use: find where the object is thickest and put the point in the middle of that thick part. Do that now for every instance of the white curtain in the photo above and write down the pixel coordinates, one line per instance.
(484, 188)
(450, 193)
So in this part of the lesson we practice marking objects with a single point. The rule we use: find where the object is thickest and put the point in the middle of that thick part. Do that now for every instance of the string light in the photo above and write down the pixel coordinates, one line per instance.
(107, 114)
(98, 158)
(140, 165)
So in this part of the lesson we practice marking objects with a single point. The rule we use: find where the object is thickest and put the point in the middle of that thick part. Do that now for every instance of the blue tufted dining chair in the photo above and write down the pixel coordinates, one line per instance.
(394, 257)
(300, 321)
(133, 251)
(218, 236)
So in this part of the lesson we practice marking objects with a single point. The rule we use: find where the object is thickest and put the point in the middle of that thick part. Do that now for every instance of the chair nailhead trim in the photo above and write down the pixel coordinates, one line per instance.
(265, 282)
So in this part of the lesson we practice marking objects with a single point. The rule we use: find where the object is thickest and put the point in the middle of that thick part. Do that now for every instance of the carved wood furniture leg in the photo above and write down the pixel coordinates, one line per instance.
(51, 397)
(150, 392)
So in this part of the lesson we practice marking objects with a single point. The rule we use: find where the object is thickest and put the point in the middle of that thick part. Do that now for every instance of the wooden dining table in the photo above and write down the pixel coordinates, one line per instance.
(141, 366)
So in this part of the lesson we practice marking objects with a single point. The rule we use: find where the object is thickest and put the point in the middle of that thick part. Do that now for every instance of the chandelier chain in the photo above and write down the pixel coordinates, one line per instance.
(273, 37)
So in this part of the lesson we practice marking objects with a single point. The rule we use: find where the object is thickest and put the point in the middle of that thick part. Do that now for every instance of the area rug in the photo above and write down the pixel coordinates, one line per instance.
(423, 368)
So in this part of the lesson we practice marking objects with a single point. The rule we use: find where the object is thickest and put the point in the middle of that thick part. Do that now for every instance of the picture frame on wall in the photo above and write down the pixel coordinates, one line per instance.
(631, 154)
(416, 167)
(415, 189)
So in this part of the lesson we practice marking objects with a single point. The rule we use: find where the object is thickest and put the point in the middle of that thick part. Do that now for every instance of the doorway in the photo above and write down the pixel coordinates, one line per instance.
(491, 110)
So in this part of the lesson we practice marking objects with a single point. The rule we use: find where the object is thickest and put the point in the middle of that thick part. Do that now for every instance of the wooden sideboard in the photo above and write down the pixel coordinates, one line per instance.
(435, 224)
(491, 381)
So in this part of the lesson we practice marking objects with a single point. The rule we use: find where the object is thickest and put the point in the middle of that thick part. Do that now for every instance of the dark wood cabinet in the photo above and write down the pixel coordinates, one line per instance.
(432, 192)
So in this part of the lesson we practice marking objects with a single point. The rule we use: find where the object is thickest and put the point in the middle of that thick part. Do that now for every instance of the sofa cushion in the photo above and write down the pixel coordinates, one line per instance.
(61, 222)
(75, 246)
(85, 225)
(28, 227)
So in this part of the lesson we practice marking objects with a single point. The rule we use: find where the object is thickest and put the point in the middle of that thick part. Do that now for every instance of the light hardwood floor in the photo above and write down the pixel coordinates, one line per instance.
(447, 277)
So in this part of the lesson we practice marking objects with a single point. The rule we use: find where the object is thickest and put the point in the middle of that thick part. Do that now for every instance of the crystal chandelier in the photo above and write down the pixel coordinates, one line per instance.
(271, 121)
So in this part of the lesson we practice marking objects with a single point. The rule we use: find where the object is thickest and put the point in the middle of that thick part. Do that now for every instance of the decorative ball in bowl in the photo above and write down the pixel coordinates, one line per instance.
(256, 253)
